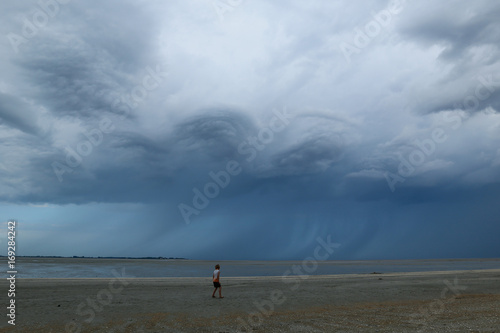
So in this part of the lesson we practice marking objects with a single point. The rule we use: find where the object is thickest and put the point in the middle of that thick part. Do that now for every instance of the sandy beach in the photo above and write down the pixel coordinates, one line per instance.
(457, 301)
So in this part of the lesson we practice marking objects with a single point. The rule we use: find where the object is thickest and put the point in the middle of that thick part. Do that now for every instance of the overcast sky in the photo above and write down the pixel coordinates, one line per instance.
(218, 129)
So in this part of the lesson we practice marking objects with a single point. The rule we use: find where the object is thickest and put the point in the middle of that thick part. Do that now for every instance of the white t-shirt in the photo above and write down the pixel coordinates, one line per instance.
(216, 272)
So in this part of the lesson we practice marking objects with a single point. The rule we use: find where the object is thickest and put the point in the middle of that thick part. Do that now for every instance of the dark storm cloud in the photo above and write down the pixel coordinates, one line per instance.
(469, 37)
(73, 82)
(131, 166)
(18, 114)
(459, 26)
(323, 173)
(82, 71)
(313, 155)
(216, 133)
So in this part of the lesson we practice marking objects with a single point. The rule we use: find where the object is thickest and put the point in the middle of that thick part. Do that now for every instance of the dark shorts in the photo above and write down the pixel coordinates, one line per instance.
(216, 284)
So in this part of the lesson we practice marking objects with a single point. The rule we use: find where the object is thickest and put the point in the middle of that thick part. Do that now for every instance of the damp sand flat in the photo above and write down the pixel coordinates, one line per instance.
(456, 301)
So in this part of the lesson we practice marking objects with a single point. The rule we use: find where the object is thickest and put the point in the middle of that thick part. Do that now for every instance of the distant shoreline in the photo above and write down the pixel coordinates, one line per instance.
(83, 257)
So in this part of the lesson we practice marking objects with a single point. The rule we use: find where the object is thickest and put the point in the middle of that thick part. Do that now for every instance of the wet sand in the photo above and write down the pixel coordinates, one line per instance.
(456, 301)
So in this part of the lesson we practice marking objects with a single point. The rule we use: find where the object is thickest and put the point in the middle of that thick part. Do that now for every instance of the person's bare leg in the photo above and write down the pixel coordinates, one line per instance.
(220, 291)
(213, 294)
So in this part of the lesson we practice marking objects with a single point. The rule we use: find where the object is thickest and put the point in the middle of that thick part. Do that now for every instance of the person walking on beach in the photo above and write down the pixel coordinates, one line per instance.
(216, 281)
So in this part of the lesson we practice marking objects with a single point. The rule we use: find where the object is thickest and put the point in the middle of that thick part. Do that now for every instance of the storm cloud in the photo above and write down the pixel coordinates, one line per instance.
(375, 123)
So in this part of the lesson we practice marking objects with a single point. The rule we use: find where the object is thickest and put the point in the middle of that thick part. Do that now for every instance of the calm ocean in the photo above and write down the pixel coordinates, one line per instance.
(103, 268)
